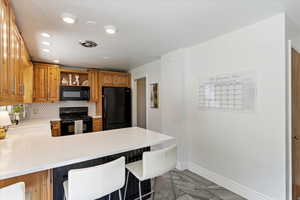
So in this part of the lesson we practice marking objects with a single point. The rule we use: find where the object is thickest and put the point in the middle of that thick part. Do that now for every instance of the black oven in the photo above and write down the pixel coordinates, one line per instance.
(74, 93)
(68, 127)
(69, 115)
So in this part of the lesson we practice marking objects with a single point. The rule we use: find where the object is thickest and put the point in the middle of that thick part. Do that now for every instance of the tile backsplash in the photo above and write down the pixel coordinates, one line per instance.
(51, 110)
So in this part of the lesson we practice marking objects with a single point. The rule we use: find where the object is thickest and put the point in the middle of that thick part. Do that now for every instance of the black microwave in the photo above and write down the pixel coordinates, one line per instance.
(74, 93)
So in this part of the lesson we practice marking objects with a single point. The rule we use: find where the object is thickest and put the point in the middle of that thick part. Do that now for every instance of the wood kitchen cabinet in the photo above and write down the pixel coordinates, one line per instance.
(53, 82)
(115, 79)
(121, 80)
(4, 46)
(55, 128)
(46, 83)
(38, 186)
(97, 124)
(94, 85)
(106, 78)
(12, 85)
(27, 71)
(40, 83)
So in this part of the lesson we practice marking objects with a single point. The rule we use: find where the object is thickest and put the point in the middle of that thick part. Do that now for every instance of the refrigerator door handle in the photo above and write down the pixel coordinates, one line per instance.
(105, 107)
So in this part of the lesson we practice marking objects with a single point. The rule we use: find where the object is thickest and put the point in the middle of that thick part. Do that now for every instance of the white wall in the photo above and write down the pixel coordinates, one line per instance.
(152, 72)
(246, 148)
(173, 109)
(245, 152)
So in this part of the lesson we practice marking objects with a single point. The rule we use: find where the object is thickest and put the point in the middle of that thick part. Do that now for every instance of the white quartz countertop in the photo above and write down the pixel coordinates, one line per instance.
(30, 148)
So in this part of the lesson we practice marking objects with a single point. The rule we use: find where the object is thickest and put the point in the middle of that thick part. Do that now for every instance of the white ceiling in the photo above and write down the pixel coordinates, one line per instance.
(147, 28)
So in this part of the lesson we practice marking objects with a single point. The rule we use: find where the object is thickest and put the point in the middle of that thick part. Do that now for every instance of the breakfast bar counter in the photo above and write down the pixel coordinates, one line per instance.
(31, 149)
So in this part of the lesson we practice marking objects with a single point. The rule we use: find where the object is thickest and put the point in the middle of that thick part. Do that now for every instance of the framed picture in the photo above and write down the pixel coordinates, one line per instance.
(154, 95)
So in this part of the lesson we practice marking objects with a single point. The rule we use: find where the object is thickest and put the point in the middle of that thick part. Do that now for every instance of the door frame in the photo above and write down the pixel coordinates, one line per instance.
(289, 128)
(290, 135)
(134, 99)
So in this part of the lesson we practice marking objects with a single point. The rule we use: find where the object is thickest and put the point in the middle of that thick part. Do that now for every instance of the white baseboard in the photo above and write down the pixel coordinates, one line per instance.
(227, 183)
(182, 166)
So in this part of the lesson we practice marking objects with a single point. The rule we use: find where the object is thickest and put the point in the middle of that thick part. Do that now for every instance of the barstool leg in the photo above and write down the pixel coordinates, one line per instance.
(140, 190)
(128, 173)
(120, 194)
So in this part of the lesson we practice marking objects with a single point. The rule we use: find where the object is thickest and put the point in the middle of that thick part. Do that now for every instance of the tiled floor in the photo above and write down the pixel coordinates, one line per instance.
(185, 185)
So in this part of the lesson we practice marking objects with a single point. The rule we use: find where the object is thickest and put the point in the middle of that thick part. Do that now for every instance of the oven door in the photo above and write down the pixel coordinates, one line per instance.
(74, 93)
(68, 127)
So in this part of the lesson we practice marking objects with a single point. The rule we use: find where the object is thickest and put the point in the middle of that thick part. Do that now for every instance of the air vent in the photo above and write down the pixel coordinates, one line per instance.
(88, 43)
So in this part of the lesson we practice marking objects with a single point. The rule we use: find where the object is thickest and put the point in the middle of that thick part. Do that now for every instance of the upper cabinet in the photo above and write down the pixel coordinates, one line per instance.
(115, 79)
(4, 52)
(12, 50)
(27, 74)
(46, 83)
(93, 77)
(53, 83)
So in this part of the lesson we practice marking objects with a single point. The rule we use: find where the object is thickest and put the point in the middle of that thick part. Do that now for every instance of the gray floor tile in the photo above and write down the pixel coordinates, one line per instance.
(185, 185)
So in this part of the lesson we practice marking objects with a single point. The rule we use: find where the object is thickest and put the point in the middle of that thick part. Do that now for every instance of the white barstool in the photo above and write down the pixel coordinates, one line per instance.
(153, 164)
(13, 192)
(95, 182)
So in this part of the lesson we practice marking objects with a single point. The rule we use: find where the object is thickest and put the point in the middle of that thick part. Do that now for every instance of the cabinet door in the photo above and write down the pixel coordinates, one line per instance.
(107, 79)
(40, 83)
(55, 128)
(53, 83)
(6, 75)
(38, 186)
(94, 86)
(27, 75)
(121, 80)
(11, 66)
(97, 124)
(28, 83)
(3, 51)
(18, 68)
(11, 74)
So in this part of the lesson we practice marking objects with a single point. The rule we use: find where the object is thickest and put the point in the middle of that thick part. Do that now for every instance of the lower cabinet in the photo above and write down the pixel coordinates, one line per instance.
(38, 185)
(55, 128)
(97, 124)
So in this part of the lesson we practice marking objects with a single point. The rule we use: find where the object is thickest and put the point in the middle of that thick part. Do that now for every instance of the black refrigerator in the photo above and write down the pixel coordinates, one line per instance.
(116, 104)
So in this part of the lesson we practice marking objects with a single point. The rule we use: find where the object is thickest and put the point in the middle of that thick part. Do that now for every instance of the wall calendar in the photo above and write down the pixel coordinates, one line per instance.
(229, 92)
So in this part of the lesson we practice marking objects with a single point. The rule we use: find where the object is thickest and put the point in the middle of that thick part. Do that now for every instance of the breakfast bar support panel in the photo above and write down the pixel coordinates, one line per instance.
(61, 174)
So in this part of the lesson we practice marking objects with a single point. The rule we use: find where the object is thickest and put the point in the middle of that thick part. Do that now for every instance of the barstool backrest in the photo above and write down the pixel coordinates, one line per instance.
(96, 182)
(13, 192)
(156, 163)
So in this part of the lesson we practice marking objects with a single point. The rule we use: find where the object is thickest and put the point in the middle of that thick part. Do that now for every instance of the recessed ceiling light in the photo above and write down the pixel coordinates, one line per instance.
(46, 50)
(91, 22)
(46, 43)
(46, 35)
(68, 18)
(56, 61)
(110, 29)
